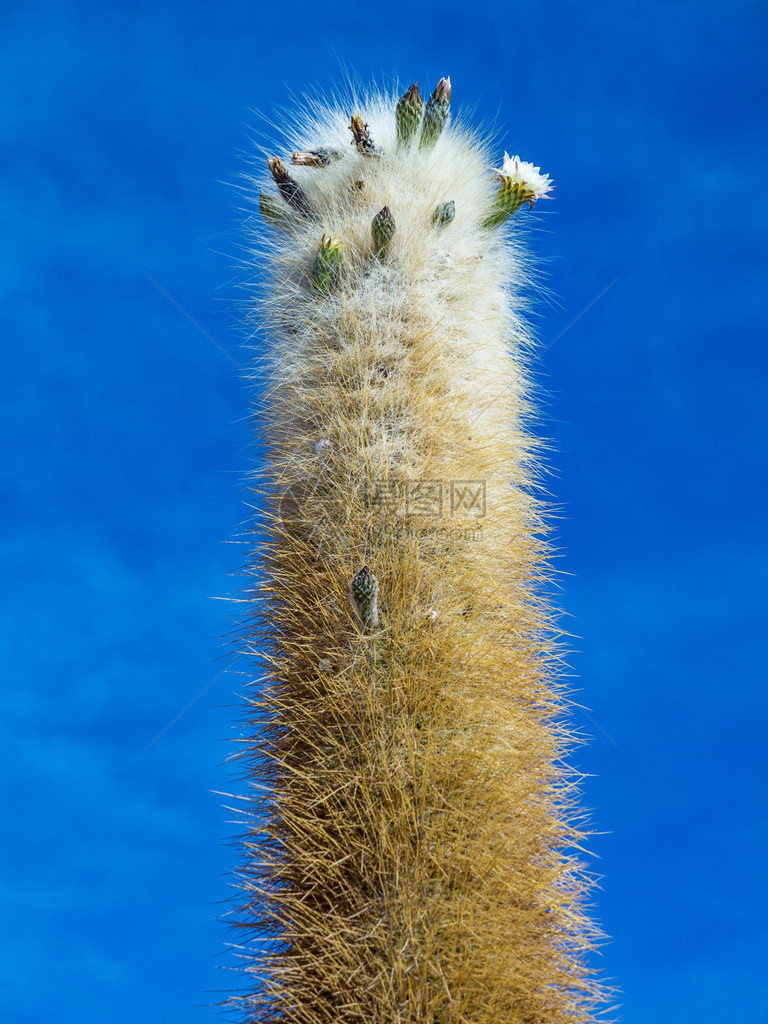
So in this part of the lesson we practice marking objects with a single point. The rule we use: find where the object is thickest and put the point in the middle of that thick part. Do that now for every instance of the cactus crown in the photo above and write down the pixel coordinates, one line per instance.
(520, 182)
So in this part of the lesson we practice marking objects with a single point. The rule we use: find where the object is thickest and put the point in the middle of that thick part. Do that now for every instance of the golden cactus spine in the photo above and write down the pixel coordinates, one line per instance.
(413, 860)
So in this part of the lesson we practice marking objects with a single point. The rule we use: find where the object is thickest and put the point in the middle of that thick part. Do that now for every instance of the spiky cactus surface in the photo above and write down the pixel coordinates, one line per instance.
(412, 860)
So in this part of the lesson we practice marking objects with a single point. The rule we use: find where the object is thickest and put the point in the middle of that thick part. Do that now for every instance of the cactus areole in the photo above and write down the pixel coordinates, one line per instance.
(410, 852)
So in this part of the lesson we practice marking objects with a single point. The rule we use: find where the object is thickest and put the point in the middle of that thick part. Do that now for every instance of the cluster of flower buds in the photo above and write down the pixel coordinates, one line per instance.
(410, 109)
(520, 181)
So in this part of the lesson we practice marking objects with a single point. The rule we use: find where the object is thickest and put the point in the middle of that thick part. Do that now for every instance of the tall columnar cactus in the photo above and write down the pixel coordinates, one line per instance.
(414, 860)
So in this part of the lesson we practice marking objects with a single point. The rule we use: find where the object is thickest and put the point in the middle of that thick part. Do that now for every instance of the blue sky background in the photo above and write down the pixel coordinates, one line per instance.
(123, 129)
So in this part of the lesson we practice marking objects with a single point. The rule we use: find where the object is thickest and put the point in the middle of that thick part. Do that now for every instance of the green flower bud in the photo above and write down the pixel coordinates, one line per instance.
(364, 590)
(273, 211)
(507, 202)
(444, 214)
(408, 115)
(436, 114)
(290, 190)
(361, 137)
(382, 228)
(316, 157)
(325, 272)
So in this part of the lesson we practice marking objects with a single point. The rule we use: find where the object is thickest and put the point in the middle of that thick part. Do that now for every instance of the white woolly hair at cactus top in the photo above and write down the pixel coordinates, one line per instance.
(415, 857)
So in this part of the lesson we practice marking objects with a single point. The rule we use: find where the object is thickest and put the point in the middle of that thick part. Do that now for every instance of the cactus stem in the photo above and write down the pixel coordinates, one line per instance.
(416, 855)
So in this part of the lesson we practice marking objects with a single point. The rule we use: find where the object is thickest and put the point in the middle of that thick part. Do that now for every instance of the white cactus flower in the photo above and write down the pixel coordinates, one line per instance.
(527, 177)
